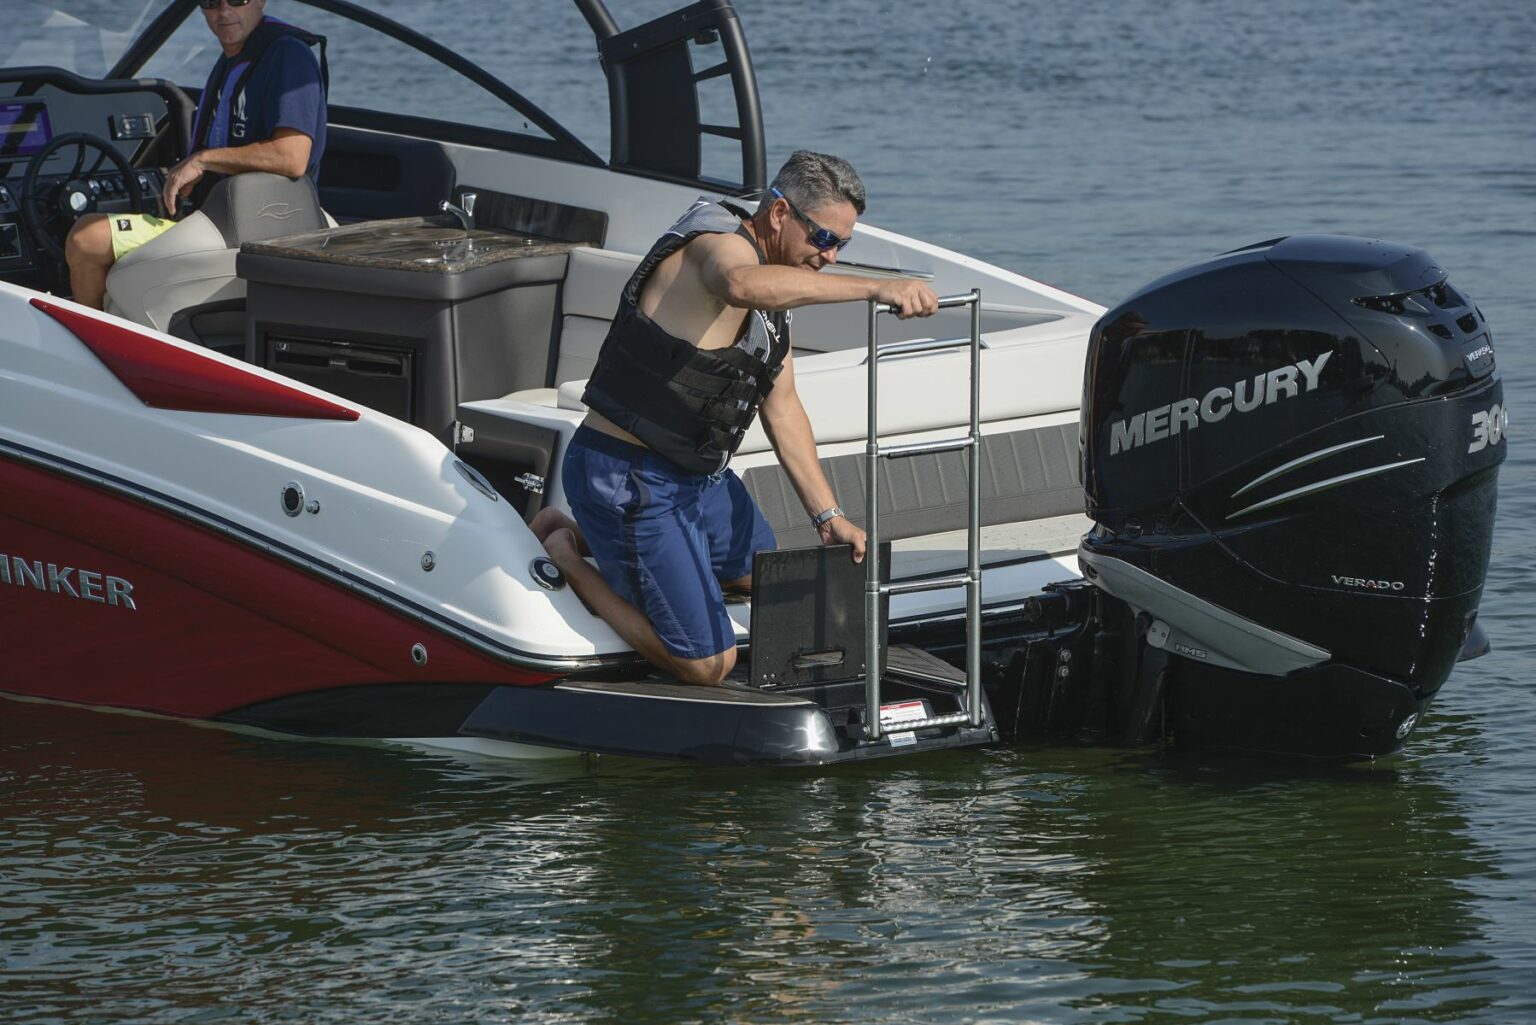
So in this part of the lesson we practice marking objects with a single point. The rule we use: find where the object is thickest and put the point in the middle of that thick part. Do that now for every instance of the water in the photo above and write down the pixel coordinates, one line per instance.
(155, 872)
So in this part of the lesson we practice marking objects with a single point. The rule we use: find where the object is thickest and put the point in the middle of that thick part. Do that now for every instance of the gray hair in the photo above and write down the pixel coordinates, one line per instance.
(812, 180)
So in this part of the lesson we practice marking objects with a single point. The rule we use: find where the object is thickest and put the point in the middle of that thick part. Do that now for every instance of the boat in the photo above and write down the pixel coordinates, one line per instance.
(284, 482)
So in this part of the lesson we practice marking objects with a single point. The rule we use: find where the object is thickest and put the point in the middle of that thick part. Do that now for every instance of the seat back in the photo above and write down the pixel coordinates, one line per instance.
(255, 207)
(594, 281)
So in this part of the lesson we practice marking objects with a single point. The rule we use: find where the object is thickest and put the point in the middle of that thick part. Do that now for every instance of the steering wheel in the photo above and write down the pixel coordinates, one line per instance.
(49, 217)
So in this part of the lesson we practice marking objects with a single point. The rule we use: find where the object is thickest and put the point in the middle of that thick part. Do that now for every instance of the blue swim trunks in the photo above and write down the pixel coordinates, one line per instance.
(664, 538)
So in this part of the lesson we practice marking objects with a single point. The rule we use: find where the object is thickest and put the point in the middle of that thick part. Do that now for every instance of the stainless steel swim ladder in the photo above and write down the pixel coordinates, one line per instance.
(874, 591)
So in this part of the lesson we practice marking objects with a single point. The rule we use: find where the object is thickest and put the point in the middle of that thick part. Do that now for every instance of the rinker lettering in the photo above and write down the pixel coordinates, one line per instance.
(51, 578)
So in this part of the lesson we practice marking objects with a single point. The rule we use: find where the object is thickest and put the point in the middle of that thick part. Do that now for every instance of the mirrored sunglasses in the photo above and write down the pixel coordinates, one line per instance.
(820, 237)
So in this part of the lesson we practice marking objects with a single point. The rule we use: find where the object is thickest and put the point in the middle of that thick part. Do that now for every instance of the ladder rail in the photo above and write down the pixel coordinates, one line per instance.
(874, 591)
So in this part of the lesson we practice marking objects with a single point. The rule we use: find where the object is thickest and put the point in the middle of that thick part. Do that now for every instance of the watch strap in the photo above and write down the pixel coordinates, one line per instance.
(826, 516)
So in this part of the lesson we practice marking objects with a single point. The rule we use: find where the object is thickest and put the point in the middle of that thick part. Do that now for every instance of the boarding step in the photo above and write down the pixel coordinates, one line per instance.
(923, 707)
(809, 639)
(814, 724)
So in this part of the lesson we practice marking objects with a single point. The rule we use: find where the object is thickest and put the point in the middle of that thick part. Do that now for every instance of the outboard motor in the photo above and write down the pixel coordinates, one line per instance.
(1291, 454)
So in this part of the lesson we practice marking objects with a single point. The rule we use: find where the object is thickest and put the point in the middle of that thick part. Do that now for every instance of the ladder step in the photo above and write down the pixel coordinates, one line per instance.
(931, 723)
(914, 448)
(929, 584)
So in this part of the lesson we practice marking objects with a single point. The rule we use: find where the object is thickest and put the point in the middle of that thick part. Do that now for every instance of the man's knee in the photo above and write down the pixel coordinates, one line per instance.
(705, 672)
(89, 241)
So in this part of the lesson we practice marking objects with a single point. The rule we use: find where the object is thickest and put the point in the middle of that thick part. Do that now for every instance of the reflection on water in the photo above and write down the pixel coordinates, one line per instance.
(320, 883)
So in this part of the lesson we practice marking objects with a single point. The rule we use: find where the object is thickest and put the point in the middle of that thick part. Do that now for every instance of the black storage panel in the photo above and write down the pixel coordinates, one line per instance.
(407, 317)
(379, 378)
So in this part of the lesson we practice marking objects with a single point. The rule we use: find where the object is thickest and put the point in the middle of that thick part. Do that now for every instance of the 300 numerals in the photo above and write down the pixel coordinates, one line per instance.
(1488, 428)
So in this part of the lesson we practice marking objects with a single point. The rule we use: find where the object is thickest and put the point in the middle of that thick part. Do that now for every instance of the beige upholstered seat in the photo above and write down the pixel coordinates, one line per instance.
(194, 263)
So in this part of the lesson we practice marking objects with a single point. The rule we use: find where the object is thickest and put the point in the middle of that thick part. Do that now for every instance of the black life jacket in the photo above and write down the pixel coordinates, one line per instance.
(256, 45)
(691, 405)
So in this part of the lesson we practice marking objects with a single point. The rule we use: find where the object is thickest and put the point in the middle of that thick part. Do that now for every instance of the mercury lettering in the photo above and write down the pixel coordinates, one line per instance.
(1243, 397)
(51, 578)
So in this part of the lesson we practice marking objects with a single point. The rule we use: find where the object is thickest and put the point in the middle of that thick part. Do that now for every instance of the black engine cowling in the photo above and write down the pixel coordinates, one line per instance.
(1291, 454)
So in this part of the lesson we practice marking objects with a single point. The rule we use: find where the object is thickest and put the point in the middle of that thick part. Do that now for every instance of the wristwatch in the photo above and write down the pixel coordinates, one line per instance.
(826, 516)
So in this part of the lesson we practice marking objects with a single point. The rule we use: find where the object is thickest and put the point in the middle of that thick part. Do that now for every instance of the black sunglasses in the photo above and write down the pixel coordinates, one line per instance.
(213, 5)
(820, 237)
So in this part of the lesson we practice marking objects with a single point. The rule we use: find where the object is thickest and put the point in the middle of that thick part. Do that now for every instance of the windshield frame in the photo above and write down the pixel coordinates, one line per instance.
(561, 144)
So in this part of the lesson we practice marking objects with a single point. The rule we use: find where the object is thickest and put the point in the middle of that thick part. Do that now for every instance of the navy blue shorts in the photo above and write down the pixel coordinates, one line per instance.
(664, 538)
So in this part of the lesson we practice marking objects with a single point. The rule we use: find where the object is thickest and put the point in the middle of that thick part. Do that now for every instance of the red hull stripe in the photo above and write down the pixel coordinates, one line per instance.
(105, 601)
(167, 377)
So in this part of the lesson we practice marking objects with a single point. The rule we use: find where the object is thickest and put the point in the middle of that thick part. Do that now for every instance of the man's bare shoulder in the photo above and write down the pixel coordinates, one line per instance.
(711, 262)
(722, 249)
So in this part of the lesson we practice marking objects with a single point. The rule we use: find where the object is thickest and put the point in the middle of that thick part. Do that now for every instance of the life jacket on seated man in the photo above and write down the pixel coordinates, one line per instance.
(258, 99)
(274, 82)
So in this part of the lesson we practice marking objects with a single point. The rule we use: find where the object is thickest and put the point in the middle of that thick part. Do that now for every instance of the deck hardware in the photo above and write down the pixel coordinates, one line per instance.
(476, 479)
(546, 574)
(817, 659)
(419, 654)
(312, 506)
(428, 561)
(464, 433)
(530, 482)
(875, 592)
(292, 498)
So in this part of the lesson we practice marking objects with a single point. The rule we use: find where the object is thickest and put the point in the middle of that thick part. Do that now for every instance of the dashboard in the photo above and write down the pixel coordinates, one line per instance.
(142, 122)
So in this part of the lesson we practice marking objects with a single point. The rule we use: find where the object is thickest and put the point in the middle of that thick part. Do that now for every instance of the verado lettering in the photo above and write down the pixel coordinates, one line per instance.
(1244, 397)
(1368, 585)
(67, 580)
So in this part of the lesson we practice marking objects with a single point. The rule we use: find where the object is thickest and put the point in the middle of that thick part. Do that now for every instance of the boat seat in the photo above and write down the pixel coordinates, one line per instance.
(594, 280)
(193, 264)
(589, 297)
(916, 395)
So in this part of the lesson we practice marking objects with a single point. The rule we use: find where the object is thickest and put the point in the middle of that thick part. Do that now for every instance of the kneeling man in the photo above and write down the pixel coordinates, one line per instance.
(700, 343)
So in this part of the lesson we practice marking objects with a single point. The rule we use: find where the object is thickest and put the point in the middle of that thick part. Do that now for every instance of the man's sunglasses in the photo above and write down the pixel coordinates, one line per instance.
(213, 5)
(820, 237)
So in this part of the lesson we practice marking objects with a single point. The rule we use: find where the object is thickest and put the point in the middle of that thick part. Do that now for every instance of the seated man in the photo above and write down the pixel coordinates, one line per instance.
(699, 343)
(263, 109)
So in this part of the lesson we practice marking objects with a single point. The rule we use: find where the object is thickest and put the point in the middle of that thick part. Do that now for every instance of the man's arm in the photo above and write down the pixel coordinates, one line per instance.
(286, 153)
(292, 98)
(730, 271)
(789, 429)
